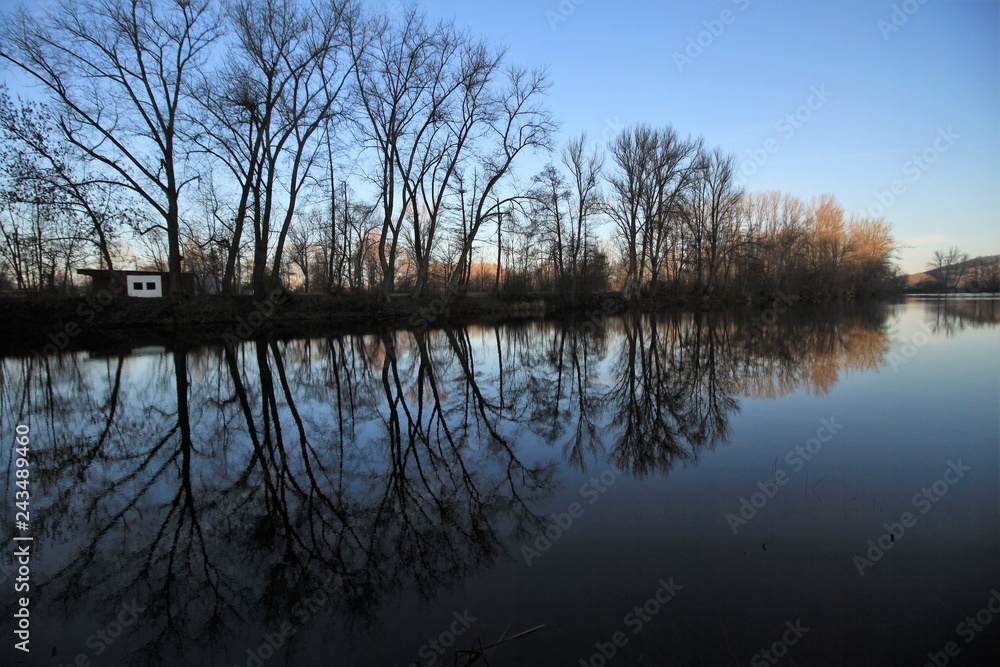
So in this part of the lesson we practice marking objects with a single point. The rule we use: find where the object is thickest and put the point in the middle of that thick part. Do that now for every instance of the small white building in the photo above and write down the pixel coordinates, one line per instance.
(145, 286)
(136, 284)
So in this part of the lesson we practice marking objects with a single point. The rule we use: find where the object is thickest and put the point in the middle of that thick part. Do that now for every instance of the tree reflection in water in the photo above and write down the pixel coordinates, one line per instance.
(220, 486)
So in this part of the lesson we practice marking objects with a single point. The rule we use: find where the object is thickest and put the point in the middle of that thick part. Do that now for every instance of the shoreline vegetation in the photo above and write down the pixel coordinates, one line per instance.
(52, 324)
(46, 324)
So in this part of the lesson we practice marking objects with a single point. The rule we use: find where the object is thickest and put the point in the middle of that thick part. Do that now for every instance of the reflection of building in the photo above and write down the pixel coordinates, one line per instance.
(141, 284)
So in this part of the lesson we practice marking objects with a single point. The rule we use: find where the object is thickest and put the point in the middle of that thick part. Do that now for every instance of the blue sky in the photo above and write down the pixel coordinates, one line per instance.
(907, 105)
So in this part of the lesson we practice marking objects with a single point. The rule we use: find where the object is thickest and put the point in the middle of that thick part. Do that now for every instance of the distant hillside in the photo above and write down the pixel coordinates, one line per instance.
(980, 274)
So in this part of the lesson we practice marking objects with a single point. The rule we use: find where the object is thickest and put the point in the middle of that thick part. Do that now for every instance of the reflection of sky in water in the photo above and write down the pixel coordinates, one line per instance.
(906, 412)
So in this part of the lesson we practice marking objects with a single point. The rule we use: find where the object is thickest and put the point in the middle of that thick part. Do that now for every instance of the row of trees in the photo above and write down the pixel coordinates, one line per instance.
(268, 143)
(677, 220)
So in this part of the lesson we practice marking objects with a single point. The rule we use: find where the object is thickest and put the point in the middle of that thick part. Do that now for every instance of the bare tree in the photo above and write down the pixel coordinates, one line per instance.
(424, 95)
(584, 175)
(624, 205)
(31, 139)
(303, 245)
(655, 169)
(395, 67)
(549, 215)
(40, 233)
(986, 275)
(446, 136)
(39, 237)
(950, 265)
(715, 208)
(518, 121)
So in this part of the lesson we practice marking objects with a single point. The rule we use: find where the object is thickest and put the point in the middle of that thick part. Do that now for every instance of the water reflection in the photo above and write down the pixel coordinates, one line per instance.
(223, 486)
(952, 315)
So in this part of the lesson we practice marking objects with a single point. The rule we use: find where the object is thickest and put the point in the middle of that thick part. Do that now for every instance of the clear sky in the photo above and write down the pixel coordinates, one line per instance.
(911, 103)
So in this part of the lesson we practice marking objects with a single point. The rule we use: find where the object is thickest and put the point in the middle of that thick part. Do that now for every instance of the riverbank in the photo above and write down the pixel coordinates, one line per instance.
(64, 322)
(51, 324)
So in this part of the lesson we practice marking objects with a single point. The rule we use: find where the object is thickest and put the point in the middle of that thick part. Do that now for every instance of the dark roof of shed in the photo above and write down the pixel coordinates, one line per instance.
(94, 273)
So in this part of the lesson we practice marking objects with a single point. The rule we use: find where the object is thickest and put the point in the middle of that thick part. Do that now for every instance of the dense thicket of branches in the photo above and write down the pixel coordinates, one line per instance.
(313, 145)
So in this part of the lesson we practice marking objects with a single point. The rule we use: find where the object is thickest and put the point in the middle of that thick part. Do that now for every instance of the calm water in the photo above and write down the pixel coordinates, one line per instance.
(669, 490)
